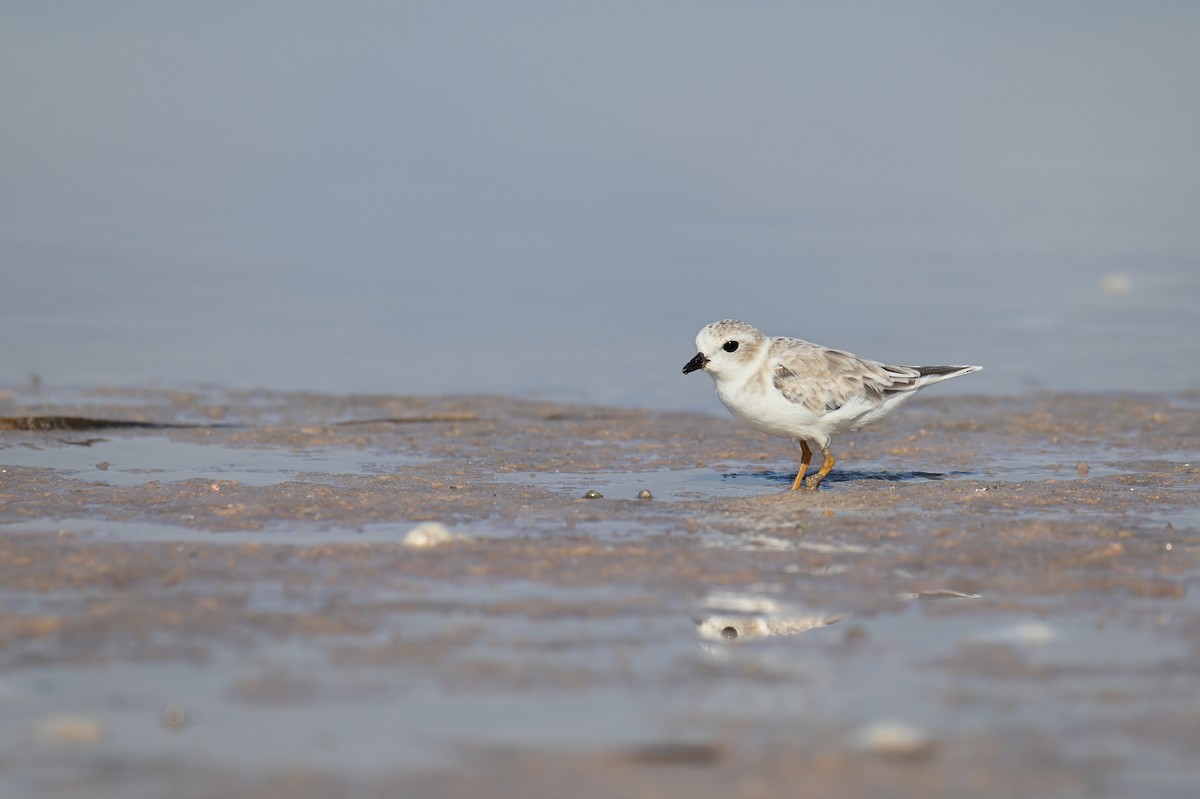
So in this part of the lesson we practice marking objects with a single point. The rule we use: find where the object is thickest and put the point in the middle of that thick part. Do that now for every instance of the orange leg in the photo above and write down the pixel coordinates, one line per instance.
(805, 459)
(826, 468)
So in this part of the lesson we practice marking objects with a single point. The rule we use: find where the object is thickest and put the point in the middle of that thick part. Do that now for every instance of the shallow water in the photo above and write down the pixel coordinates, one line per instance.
(424, 208)
(141, 459)
(621, 685)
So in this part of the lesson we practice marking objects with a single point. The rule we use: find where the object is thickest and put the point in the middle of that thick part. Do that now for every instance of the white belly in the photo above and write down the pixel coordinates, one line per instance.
(772, 413)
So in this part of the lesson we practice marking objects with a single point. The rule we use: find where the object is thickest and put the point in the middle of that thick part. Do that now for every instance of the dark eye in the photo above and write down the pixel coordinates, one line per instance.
(730, 346)
(729, 633)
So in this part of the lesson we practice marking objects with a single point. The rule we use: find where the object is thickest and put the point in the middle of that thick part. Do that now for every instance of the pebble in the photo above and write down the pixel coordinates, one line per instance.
(645, 494)
(593, 494)
(1082, 468)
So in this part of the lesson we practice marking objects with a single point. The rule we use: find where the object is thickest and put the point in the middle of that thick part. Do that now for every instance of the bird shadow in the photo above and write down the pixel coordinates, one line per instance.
(846, 476)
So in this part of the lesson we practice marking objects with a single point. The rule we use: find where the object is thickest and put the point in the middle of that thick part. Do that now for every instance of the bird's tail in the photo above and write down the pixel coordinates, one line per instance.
(927, 375)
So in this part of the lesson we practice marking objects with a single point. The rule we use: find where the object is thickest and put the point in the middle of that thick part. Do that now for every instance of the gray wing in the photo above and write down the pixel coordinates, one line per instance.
(824, 380)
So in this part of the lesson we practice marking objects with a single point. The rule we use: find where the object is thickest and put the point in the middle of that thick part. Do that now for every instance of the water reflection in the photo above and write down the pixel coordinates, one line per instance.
(848, 475)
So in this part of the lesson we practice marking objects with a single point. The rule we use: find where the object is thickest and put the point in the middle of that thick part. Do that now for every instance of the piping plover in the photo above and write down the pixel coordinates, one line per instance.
(802, 391)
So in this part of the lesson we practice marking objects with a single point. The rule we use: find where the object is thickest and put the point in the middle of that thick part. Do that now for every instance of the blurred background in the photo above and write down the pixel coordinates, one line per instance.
(549, 199)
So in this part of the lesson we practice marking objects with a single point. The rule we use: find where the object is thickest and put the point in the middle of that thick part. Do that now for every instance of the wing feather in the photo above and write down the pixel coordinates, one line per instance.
(823, 380)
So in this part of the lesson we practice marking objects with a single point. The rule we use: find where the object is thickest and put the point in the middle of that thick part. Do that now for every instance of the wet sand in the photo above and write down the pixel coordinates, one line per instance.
(989, 597)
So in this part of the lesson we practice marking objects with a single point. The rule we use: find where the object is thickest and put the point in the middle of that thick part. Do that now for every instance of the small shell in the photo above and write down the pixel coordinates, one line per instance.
(895, 740)
(174, 716)
(429, 534)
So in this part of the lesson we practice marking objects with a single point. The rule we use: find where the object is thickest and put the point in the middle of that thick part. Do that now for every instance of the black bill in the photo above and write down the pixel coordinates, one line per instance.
(699, 362)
